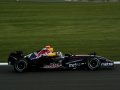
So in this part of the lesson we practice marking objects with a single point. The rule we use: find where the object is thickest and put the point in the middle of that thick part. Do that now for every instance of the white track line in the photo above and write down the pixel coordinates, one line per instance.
(3, 64)
(116, 62)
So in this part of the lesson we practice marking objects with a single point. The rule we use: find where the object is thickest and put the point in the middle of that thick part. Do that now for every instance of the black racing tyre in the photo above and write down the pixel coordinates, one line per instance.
(20, 65)
(93, 64)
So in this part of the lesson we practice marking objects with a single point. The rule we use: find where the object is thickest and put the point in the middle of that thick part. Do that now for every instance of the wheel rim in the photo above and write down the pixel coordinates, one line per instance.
(93, 63)
(20, 66)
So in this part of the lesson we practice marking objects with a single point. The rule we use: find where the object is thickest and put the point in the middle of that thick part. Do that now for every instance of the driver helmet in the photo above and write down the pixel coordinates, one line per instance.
(50, 49)
(47, 46)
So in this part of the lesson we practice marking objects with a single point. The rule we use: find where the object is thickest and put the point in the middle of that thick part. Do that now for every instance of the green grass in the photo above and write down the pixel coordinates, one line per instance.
(79, 28)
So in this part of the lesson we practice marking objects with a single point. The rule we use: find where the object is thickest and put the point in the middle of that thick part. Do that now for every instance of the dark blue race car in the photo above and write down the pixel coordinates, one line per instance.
(22, 62)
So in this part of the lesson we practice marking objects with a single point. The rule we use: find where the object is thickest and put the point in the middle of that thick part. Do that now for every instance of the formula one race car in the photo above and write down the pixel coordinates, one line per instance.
(92, 62)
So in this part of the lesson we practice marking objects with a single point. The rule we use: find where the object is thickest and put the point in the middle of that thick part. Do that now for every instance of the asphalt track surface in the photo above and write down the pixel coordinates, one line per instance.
(60, 80)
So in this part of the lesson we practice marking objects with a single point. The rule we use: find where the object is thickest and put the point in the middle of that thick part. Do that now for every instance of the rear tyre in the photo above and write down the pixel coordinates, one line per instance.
(93, 64)
(20, 65)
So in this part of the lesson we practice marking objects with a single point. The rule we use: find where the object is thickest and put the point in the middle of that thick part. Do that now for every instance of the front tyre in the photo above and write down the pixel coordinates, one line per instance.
(93, 64)
(20, 65)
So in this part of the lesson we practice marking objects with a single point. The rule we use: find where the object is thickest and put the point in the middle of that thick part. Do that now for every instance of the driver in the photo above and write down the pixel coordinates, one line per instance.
(46, 51)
